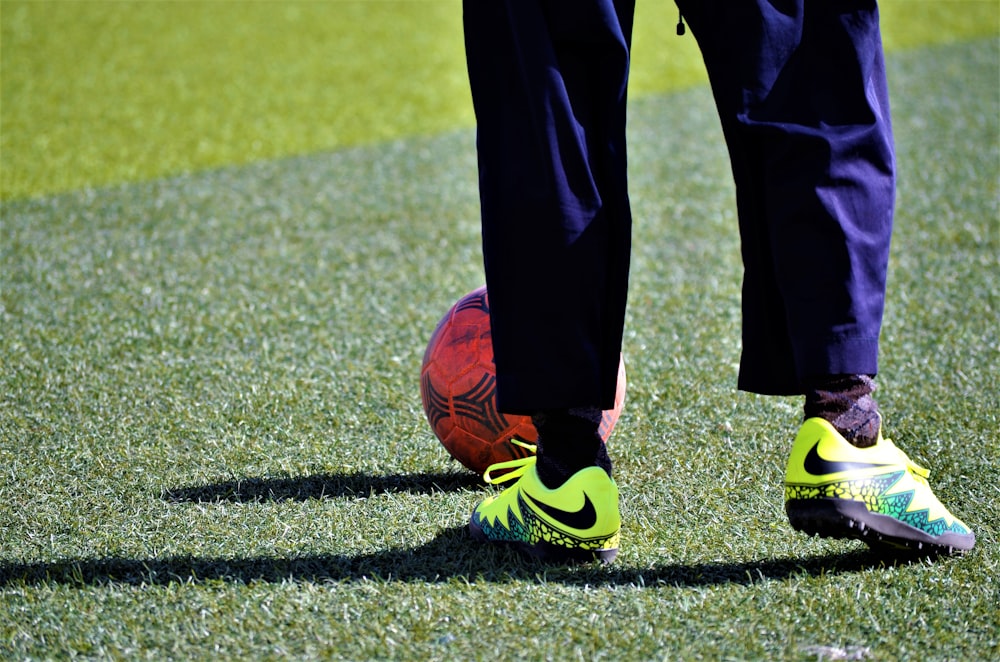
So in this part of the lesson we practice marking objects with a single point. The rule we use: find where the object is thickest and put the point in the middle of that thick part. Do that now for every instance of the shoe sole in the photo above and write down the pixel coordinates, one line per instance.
(844, 518)
(548, 552)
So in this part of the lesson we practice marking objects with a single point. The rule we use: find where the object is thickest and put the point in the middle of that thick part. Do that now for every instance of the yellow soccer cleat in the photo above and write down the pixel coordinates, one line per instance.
(876, 494)
(578, 521)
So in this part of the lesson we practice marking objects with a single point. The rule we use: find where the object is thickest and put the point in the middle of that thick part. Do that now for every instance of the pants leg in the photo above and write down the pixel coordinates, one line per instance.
(801, 92)
(548, 81)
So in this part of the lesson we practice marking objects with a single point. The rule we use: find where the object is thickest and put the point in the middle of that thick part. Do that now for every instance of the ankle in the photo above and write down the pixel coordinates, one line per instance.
(846, 402)
(569, 441)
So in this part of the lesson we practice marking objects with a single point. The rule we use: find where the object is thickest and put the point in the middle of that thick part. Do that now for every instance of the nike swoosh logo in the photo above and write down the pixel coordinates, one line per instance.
(819, 466)
(581, 519)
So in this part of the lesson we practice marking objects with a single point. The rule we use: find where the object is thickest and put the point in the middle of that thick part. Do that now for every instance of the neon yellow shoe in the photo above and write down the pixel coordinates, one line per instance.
(876, 494)
(578, 521)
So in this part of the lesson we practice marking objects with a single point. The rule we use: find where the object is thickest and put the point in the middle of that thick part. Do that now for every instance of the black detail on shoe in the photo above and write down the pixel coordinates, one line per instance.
(581, 520)
(545, 551)
(819, 466)
(848, 519)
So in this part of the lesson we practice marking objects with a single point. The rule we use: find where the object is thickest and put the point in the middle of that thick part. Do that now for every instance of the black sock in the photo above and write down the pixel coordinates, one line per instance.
(568, 441)
(846, 402)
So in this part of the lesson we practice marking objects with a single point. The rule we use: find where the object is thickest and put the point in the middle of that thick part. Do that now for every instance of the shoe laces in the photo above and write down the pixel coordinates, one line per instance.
(512, 468)
(919, 473)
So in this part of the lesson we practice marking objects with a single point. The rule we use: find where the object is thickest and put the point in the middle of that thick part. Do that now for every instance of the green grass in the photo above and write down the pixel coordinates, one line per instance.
(212, 445)
(101, 92)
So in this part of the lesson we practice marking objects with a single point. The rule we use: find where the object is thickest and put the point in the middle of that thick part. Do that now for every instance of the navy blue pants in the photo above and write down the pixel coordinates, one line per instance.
(800, 89)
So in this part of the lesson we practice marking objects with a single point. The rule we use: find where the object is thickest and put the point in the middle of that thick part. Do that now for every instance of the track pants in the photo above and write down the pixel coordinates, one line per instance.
(801, 93)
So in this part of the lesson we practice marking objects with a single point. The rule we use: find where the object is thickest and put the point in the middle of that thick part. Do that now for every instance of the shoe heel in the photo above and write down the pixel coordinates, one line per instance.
(843, 518)
(550, 553)
(827, 518)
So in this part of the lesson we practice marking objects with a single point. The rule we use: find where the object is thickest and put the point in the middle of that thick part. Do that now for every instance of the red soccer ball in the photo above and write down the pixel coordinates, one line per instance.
(458, 389)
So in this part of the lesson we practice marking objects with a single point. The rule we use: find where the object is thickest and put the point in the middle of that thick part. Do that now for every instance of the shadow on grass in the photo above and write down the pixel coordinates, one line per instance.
(321, 486)
(451, 555)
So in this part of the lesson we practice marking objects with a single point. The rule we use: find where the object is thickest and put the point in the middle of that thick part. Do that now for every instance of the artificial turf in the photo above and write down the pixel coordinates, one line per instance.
(212, 443)
(99, 92)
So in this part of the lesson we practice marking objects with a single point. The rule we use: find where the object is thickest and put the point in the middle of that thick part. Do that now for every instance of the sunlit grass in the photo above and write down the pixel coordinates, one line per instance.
(212, 445)
(103, 92)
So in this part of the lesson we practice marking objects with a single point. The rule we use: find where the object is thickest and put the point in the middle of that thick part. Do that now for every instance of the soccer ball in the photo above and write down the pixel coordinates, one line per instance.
(458, 389)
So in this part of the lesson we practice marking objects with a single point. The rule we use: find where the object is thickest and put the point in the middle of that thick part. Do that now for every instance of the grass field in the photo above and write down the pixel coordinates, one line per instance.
(211, 438)
(99, 92)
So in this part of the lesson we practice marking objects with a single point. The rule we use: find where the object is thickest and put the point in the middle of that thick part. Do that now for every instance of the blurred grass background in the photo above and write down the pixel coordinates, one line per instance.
(100, 92)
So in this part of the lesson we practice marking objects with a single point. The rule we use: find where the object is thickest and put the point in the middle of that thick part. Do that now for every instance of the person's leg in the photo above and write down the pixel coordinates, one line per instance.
(548, 82)
(802, 96)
